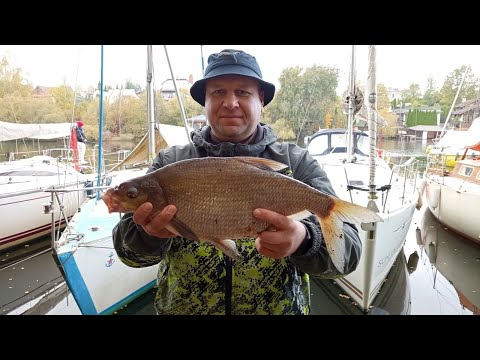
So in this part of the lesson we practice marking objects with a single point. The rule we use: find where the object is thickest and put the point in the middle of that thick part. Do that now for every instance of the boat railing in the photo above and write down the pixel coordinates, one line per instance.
(437, 164)
(56, 205)
(111, 158)
(393, 158)
(404, 177)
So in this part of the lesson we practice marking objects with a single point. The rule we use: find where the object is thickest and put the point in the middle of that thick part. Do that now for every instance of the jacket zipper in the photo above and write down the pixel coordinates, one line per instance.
(228, 285)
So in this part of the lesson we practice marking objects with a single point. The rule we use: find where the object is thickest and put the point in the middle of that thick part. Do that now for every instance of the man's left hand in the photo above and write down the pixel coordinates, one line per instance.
(283, 239)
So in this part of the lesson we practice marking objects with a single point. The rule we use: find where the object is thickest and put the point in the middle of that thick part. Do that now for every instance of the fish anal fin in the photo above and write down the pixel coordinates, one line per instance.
(228, 247)
(261, 163)
(300, 215)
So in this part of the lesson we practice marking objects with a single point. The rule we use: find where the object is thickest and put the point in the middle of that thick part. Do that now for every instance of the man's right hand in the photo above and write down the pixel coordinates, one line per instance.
(155, 224)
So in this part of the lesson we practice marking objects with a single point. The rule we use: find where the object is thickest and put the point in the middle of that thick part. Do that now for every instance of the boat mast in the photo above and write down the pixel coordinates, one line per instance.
(477, 112)
(100, 133)
(372, 119)
(179, 97)
(351, 107)
(453, 104)
(150, 106)
(201, 54)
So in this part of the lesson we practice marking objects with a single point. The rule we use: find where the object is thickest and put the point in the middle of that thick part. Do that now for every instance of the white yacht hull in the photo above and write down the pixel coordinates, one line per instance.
(382, 241)
(22, 198)
(381, 246)
(98, 280)
(454, 202)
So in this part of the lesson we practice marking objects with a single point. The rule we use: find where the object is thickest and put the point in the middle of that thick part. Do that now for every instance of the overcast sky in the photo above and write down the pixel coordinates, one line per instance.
(79, 65)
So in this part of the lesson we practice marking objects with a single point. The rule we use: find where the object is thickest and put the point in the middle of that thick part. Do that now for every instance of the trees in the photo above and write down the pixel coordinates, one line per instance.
(431, 97)
(412, 95)
(451, 85)
(300, 107)
(304, 99)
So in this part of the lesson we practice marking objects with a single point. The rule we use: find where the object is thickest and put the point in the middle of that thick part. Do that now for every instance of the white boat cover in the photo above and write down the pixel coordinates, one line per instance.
(460, 139)
(13, 131)
(165, 136)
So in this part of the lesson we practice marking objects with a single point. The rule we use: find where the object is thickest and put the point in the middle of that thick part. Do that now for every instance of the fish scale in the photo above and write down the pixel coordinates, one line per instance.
(223, 221)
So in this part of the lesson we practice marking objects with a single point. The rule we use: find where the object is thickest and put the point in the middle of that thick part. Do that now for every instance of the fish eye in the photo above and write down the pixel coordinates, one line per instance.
(132, 193)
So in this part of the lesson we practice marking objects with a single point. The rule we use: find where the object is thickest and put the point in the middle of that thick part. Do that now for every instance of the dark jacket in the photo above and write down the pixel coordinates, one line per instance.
(80, 134)
(196, 278)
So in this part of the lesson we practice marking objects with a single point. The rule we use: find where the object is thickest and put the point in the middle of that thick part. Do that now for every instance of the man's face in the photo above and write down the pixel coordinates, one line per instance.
(233, 104)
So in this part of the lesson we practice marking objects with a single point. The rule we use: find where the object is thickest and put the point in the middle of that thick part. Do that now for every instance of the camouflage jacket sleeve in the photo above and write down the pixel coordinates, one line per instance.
(135, 247)
(312, 256)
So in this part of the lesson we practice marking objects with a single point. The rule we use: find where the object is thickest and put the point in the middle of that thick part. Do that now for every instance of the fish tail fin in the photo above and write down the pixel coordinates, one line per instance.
(332, 227)
(229, 248)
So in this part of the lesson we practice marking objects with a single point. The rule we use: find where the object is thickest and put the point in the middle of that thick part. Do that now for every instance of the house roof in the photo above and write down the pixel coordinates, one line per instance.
(465, 106)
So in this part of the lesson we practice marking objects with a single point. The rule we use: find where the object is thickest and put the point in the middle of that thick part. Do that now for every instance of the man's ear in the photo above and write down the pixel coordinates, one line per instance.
(262, 97)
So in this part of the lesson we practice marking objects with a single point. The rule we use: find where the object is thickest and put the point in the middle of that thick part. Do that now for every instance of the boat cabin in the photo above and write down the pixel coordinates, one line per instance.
(328, 141)
(468, 170)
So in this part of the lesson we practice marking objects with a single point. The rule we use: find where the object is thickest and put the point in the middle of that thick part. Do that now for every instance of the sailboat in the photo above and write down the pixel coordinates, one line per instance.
(23, 181)
(452, 176)
(449, 192)
(99, 282)
(361, 174)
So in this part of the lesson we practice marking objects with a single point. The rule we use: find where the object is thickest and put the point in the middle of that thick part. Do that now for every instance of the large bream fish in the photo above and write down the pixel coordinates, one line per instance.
(215, 198)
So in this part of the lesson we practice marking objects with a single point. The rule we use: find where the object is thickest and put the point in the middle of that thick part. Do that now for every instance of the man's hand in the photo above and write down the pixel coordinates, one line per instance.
(285, 237)
(155, 224)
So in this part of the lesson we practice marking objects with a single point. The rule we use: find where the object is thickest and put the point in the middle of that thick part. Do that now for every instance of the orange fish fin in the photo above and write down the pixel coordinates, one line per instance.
(332, 230)
(228, 247)
(332, 227)
(261, 163)
(179, 228)
(300, 215)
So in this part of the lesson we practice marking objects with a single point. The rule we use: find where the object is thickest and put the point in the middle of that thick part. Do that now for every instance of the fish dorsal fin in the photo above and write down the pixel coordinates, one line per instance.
(261, 163)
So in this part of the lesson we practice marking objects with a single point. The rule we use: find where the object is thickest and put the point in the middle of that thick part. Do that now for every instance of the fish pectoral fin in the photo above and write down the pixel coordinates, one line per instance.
(300, 215)
(179, 228)
(261, 163)
(228, 247)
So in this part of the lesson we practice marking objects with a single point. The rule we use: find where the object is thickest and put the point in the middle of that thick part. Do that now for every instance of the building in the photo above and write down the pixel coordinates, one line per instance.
(394, 94)
(464, 113)
(197, 122)
(113, 95)
(424, 132)
(167, 88)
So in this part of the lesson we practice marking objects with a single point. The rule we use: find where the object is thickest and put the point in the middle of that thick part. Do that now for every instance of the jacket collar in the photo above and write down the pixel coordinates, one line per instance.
(264, 137)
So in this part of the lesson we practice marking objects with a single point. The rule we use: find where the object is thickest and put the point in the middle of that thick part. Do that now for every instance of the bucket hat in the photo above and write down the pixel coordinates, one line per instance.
(231, 62)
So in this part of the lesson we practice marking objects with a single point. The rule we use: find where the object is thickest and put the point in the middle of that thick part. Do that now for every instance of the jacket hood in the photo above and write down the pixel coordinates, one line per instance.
(264, 137)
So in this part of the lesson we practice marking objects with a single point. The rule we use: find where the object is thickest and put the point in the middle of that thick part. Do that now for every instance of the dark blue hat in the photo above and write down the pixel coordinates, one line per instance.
(231, 62)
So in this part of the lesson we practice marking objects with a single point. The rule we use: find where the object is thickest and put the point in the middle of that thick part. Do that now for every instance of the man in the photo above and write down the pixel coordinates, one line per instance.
(81, 140)
(195, 277)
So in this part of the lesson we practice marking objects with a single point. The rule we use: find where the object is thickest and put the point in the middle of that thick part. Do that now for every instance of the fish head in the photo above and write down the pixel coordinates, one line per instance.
(129, 195)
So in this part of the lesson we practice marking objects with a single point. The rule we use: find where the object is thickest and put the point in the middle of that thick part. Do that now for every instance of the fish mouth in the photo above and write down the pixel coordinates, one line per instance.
(112, 200)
